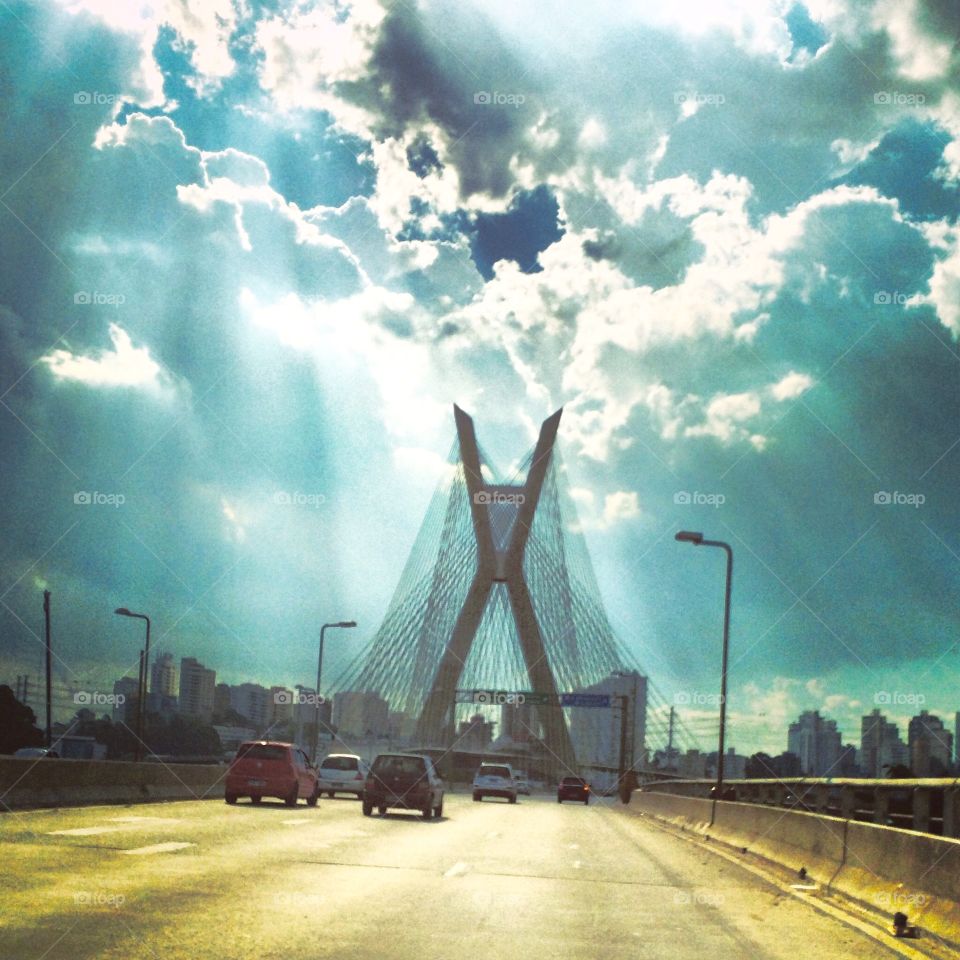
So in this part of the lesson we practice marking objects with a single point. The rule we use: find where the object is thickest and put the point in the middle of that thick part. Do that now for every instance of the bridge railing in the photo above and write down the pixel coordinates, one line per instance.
(924, 805)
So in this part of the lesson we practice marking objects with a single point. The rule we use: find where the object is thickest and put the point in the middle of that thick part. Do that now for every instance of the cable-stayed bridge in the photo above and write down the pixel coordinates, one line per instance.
(499, 594)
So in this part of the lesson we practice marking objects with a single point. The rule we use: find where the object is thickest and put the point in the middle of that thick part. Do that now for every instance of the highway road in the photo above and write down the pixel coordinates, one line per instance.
(204, 881)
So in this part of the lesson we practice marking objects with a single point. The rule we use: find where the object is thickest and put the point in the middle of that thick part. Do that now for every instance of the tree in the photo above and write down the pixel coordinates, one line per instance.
(760, 767)
(18, 724)
(899, 771)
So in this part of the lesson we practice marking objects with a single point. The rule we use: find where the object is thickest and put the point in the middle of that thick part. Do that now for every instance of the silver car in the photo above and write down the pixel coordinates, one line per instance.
(342, 773)
(495, 780)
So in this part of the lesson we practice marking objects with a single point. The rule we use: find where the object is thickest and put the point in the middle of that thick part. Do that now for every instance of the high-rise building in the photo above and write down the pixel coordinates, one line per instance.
(253, 701)
(163, 675)
(221, 699)
(281, 705)
(880, 746)
(359, 713)
(197, 684)
(816, 741)
(129, 689)
(595, 731)
(931, 746)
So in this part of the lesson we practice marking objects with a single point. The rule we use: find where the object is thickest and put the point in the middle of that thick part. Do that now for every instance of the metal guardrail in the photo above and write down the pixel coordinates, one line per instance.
(924, 805)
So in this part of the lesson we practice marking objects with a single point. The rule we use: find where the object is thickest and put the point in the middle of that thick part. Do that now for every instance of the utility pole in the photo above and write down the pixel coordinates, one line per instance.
(46, 630)
(622, 786)
(670, 740)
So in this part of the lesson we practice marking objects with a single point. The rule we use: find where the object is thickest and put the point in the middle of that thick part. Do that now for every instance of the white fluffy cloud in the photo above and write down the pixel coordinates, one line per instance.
(122, 366)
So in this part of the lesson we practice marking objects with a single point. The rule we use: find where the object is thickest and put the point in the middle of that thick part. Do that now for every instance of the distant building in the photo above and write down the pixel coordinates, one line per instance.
(595, 731)
(880, 746)
(163, 675)
(787, 764)
(475, 733)
(359, 713)
(956, 739)
(125, 709)
(400, 726)
(232, 737)
(197, 684)
(692, 765)
(518, 722)
(253, 701)
(734, 765)
(281, 705)
(221, 699)
(847, 764)
(816, 741)
(931, 746)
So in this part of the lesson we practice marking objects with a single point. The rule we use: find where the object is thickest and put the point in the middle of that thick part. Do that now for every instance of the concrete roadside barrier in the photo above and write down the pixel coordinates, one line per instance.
(26, 783)
(882, 869)
(894, 870)
(791, 837)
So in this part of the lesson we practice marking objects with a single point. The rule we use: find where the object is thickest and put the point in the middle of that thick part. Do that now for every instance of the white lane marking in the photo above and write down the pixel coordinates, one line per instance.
(295, 823)
(159, 848)
(84, 831)
(145, 820)
(458, 869)
(574, 846)
(577, 864)
(493, 835)
(124, 823)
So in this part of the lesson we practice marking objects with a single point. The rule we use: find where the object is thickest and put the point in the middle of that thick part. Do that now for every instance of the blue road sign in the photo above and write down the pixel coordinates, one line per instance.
(584, 700)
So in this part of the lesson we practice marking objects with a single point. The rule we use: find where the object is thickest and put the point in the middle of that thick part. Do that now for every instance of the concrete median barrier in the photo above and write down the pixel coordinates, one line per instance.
(791, 837)
(895, 870)
(883, 869)
(26, 783)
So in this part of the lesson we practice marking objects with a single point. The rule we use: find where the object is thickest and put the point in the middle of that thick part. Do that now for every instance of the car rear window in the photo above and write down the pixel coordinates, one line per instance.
(399, 765)
(340, 763)
(573, 782)
(495, 772)
(262, 751)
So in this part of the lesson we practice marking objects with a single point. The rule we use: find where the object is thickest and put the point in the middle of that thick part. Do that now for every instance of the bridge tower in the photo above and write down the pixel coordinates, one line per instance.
(498, 593)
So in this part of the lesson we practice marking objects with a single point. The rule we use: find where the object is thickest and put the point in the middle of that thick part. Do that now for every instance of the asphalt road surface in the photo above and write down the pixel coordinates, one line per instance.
(204, 881)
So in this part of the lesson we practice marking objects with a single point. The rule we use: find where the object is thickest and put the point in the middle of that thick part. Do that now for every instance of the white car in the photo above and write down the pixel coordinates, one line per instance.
(342, 773)
(495, 780)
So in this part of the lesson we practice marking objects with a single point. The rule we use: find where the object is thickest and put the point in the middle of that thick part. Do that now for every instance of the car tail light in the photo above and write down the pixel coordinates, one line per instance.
(586, 788)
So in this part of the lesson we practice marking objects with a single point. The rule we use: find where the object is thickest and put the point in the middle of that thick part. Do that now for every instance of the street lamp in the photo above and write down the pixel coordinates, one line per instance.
(316, 715)
(687, 536)
(142, 686)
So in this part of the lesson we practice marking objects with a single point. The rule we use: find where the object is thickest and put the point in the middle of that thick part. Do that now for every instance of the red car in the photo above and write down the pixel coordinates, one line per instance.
(268, 768)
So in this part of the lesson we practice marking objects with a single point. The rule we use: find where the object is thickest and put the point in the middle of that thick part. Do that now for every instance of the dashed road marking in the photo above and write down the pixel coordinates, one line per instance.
(159, 848)
(149, 821)
(295, 823)
(458, 869)
(84, 831)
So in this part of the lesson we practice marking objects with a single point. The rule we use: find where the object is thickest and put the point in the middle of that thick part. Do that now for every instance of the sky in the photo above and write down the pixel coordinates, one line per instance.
(253, 251)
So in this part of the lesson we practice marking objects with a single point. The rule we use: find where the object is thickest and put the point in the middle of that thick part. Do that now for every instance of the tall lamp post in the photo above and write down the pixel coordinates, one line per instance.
(316, 715)
(686, 536)
(142, 687)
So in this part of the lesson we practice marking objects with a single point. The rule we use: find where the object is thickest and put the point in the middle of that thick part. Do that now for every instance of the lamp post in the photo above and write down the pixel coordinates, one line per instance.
(316, 714)
(686, 536)
(142, 687)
